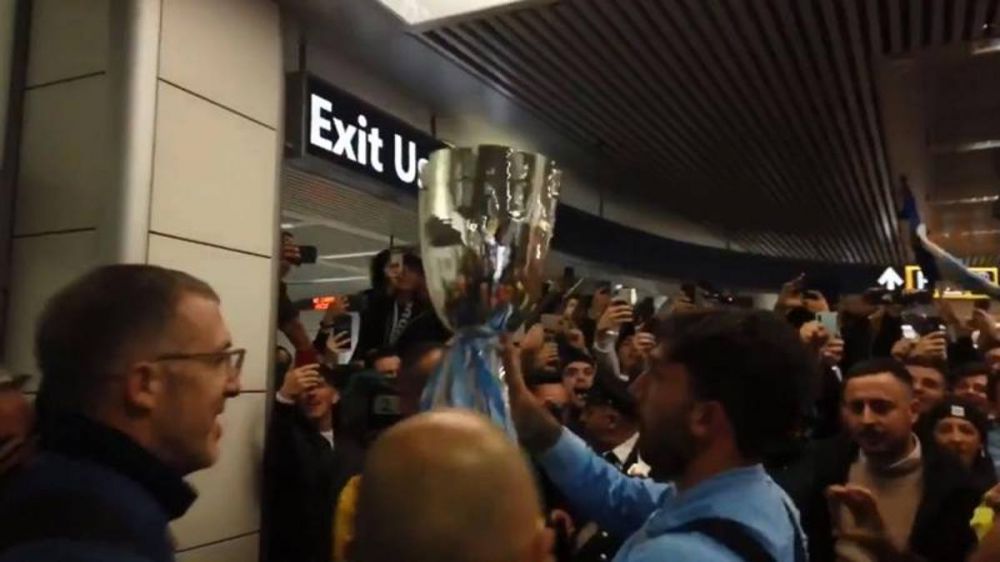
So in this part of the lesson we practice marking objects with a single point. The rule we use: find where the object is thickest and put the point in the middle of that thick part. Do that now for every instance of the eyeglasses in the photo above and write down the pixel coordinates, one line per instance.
(232, 358)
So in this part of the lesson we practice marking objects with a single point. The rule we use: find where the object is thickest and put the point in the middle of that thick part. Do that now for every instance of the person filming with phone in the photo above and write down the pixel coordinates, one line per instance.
(305, 466)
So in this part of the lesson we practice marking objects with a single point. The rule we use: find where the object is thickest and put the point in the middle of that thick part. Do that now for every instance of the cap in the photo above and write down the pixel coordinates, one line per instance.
(613, 392)
(10, 380)
(959, 408)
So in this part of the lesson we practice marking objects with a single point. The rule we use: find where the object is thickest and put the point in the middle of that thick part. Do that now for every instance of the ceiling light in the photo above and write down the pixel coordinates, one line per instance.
(986, 46)
(422, 12)
(965, 146)
(327, 280)
(349, 256)
(964, 201)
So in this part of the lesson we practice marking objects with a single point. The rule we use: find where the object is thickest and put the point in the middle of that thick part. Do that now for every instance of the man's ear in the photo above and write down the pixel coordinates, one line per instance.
(542, 548)
(143, 385)
(614, 419)
(706, 418)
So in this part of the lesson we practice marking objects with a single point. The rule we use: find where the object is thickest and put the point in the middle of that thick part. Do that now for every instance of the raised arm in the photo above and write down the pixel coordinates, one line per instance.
(617, 502)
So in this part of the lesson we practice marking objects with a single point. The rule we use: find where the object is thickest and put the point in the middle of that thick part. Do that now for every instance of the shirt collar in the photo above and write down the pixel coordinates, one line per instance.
(622, 451)
(83, 438)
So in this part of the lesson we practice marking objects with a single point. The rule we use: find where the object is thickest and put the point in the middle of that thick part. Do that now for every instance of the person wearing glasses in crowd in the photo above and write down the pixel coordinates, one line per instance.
(137, 365)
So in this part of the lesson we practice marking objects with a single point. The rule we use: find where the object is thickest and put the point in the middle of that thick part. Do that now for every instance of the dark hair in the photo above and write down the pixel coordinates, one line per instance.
(991, 387)
(969, 370)
(539, 378)
(376, 271)
(940, 366)
(413, 262)
(754, 364)
(878, 366)
(379, 353)
(87, 327)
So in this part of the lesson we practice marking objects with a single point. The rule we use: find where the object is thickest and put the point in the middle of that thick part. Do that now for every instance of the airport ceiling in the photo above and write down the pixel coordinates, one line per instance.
(781, 124)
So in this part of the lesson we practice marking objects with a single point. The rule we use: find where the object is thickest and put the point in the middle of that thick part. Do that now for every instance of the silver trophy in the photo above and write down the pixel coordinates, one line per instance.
(487, 215)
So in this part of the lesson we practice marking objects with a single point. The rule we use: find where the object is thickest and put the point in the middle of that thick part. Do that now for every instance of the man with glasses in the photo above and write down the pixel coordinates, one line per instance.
(137, 365)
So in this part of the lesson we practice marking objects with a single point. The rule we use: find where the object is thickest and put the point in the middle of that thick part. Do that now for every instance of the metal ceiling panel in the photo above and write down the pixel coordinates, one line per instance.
(760, 118)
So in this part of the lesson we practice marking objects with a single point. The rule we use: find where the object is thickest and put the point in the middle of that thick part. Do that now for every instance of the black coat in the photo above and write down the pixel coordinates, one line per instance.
(303, 477)
(941, 531)
(92, 495)
(376, 327)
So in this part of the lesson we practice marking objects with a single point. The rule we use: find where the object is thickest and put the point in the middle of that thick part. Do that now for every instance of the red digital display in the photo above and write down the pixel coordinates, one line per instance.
(323, 303)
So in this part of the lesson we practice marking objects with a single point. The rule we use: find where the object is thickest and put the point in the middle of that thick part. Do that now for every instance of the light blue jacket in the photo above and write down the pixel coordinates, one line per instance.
(644, 510)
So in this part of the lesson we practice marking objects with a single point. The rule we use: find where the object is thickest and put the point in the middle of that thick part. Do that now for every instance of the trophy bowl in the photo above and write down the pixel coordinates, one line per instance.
(487, 215)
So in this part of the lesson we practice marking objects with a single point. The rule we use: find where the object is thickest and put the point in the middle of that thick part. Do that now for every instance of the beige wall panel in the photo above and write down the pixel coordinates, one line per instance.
(228, 51)
(214, 174)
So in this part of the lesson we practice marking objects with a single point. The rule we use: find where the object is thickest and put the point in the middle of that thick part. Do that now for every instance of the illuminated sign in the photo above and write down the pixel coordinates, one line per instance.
(322, 303)
(890, 279)
(915, 280)
(344, 130)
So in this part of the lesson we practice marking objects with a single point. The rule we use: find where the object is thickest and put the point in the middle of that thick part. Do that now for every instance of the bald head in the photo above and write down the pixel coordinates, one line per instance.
(448, 485)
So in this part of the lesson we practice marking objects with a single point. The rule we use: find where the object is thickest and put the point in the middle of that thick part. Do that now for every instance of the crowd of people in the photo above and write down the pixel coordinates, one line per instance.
(849, 427)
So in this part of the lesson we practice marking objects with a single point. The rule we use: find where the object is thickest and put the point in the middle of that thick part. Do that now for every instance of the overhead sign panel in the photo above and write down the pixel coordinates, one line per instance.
(349, 132)
(915, 280)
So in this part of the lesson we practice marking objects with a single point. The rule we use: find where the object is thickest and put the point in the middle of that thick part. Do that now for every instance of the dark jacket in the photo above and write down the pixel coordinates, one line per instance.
(376, 327)
(303, 477)
(941, 531)
(92, 494)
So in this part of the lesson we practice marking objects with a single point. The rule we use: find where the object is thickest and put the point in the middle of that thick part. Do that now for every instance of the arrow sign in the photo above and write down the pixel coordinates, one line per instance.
(890, 279)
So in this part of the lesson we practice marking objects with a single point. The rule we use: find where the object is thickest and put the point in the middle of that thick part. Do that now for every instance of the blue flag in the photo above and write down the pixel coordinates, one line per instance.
(935, 263)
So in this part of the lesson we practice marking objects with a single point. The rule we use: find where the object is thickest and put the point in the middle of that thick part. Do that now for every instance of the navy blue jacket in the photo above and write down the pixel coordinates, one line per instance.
(91, 495)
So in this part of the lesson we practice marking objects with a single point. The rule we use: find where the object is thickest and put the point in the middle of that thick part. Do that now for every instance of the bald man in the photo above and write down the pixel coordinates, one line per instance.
(448, 485)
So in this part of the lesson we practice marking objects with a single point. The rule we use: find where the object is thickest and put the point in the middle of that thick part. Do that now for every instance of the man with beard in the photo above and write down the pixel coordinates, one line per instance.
(708, 412)
(891, 497)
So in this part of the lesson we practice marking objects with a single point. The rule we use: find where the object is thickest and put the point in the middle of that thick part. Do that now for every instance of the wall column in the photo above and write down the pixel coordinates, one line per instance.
(151, 133)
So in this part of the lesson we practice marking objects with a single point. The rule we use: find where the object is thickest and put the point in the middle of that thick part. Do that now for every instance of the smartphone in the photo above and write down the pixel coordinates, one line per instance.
(342, 325)
(830, 321)
(909, 333)
(624, 295)
(308, 254)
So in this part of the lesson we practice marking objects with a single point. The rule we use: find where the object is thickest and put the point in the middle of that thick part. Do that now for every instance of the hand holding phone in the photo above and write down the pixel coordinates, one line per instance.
(613, 317)
(338, 342)
(308, 254)
(830, 321)
(624, 295)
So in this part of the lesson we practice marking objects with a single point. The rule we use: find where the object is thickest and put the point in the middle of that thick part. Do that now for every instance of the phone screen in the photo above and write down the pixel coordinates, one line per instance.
(909, 333)
(626, 295)
(342, 325)
(309, 254)
(830, 321)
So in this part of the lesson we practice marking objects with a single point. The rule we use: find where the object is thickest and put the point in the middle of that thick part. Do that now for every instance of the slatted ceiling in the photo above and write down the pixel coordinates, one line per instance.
(759, 119)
